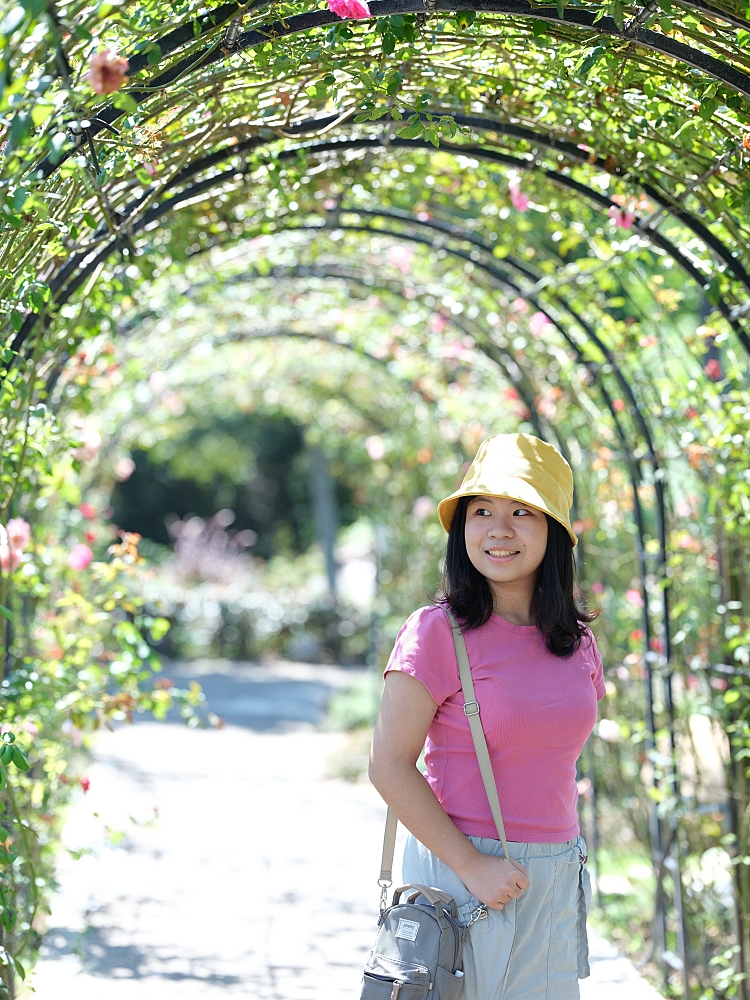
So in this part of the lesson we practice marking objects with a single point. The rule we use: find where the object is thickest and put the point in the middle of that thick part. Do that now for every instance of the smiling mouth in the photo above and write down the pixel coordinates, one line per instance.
(502, 553)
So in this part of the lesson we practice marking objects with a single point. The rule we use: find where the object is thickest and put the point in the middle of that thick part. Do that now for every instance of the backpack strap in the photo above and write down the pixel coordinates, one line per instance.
(471, 711)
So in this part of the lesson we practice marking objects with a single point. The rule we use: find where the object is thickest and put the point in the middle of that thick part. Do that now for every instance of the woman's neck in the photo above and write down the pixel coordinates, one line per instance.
(513, 603)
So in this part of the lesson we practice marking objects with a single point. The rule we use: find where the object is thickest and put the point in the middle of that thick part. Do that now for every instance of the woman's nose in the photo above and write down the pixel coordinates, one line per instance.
(501, 528)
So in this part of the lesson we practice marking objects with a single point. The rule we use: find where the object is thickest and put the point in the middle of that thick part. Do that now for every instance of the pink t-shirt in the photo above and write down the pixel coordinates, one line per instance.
(537, 711)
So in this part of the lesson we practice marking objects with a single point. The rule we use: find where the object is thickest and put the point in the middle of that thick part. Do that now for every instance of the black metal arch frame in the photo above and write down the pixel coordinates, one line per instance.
(217, 180)
(578, 17)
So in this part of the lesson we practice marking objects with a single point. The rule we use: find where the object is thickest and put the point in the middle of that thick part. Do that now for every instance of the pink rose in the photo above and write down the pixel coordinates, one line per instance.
(91, 442)
(623, 218)
(634, 597)
(518, 198)
(356, 9)
(107, 72)
(19, 534)
(539, 324)
(80, 556)
(88, 511)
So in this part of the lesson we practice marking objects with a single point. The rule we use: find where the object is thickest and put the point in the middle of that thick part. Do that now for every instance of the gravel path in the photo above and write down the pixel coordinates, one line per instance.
(225, 862)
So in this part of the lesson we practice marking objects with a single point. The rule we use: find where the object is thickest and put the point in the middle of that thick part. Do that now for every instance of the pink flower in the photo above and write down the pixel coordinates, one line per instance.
(539, 324)
(107, 72)
(634, 597)
(80, 556)
(91, 441)
(19, 534)
(621, 216)
(124, 469)
(637, 635)
(400, 257)
(597, 588)
(423, 508)
(519, 200)
(88, 510)
(619, 404)
(712, 369)
(356, 9)
(85, 784)
(519, 305)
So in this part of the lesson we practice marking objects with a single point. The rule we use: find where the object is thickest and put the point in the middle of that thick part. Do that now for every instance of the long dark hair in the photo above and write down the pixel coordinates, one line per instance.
(559, 615)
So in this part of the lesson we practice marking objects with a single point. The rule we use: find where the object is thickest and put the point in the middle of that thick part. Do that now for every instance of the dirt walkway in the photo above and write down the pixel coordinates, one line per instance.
(257, 876)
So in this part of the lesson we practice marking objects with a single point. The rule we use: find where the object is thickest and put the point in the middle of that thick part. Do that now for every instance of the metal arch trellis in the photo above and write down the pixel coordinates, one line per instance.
(579, 17)
(480, 152)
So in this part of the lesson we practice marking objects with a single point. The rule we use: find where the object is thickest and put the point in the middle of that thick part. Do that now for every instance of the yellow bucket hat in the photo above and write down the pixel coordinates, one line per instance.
(520, 467)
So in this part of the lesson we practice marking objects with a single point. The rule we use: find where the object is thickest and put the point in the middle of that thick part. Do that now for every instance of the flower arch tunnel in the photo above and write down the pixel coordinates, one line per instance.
(567, 183)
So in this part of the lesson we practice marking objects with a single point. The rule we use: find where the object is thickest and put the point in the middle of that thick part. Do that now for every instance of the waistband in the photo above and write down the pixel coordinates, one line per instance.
(519, 850)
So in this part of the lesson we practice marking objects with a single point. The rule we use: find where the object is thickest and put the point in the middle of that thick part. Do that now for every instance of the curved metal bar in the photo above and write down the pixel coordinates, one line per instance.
(482, 152)
(580, 17)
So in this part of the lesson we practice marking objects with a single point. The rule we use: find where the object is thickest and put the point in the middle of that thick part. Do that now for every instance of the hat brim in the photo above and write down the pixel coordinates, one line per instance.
(516, 490)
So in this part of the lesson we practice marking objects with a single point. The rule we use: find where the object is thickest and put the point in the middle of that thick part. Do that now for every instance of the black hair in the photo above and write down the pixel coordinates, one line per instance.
(559, 614)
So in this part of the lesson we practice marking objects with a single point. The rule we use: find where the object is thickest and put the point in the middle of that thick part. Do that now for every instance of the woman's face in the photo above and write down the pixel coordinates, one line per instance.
(505, 539)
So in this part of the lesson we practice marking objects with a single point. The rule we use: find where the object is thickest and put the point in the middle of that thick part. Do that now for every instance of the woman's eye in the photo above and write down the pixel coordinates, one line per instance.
(521, 510)
(483, 511)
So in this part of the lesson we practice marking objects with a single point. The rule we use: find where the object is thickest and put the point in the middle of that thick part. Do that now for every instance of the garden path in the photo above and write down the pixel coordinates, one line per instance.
(255, 878)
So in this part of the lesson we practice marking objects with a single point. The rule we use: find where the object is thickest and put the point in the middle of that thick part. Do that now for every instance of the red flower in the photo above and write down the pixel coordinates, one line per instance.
(85, 784)
(637, 635)
(713, 370)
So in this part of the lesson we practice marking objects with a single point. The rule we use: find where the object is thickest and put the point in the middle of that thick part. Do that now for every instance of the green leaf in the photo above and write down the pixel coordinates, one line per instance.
(41, 112)
(464, 19)
(389, 43)
(160, 628)
(588, 60)
(124, 102)
(6, 754)
(6, 612)
(538, 28)
(16, 320)
(411, 131)
(618, 14)
(19, 758)
(90, 220)
(153, 54)
(730, 697)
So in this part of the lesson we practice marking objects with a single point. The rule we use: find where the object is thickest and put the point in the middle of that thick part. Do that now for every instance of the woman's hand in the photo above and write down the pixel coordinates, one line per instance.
(494, 881)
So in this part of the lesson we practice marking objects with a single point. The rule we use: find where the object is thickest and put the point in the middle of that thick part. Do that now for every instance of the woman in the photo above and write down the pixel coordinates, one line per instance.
(509, 579)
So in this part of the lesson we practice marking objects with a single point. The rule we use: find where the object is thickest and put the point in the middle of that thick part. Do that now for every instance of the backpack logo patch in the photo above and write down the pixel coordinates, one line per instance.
(407, 929)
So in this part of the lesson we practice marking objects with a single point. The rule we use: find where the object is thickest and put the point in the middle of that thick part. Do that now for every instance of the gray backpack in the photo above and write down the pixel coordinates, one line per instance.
(419, 947)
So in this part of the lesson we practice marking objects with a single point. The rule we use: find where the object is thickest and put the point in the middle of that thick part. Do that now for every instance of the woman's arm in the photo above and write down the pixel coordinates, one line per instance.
(406, 712)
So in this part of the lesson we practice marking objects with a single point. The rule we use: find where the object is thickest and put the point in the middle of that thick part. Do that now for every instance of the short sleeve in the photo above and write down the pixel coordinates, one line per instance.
(597, 670)
(424, 649)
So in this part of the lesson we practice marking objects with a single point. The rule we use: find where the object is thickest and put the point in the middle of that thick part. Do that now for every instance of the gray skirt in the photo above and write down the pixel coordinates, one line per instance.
(536, 947)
